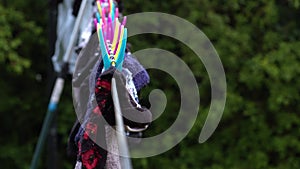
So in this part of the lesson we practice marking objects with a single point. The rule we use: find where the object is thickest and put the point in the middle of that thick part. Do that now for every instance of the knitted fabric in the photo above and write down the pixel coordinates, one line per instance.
(90, 154)
(139, 74)
(92, 127)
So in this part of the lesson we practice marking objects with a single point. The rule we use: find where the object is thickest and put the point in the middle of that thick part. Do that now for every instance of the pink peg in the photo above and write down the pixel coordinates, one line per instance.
(95, 23)
(124, 20)
(109, 28)
(103, 16)
(117, 13)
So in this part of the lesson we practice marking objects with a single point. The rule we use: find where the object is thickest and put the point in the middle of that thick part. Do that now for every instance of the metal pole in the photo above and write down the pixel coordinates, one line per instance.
(75, 31)
(59, 84)
(58, 87)
(122, 142)
(52, 149)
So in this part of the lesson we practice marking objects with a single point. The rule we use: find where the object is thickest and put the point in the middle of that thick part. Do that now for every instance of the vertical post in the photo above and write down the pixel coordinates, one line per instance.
(52, 159)
(58, 87)
(122, 142)
(75, 31)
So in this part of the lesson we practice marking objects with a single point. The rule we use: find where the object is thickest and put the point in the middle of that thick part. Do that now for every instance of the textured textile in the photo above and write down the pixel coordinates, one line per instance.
(86, 83)
(85, 72)
(90, 154)
(93, 129)
(113, 160)
(139, 74)
(134, 115)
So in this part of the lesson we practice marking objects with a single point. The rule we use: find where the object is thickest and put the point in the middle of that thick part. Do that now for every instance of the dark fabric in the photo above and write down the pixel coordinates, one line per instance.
(103, 95)
(140, 76)
(134, 116)
(88, 79)
(72, 149)
(91, 154)
(83, 82)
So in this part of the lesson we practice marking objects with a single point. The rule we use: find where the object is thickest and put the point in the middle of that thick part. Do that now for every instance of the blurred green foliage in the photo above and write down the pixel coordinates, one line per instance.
(257, 41)
(23, 58)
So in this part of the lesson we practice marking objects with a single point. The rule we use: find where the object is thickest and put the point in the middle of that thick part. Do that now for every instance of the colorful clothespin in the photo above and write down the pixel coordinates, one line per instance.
(111, 33)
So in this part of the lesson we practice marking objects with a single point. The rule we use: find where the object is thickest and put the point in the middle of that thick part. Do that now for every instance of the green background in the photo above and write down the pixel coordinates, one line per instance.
(257, 41)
